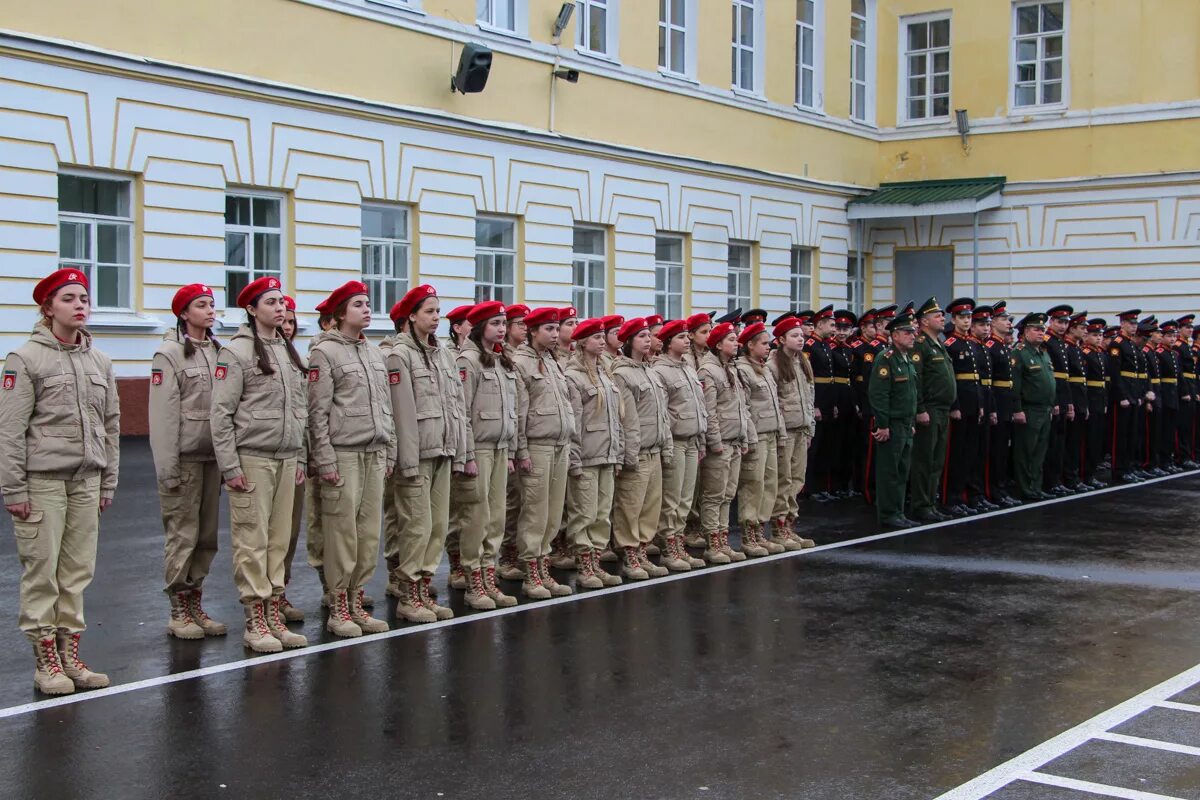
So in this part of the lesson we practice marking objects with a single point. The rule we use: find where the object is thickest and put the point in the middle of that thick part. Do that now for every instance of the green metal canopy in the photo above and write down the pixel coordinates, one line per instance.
(928, 198)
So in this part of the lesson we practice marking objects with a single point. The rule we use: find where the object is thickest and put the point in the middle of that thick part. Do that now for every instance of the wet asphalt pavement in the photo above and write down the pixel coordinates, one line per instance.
(897, 668)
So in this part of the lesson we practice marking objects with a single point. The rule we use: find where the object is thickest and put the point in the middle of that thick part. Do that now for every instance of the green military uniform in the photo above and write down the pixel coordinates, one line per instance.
(936, 391)
(1033, 393)
(893, 396)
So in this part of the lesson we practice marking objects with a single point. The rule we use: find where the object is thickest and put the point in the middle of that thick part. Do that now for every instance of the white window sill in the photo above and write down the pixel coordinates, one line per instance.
(818, 111)
(1056, 110)
(511, 34)
(115, 320)
(863, 123)
(413, 7)
(597, 55)
(746, 94)
(926, 122)
(678, 76)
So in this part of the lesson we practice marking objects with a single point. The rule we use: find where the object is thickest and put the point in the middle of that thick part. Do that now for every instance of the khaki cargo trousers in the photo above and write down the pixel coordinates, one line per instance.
(758, 481)
(483, 508)
(638, 501)
(260, 526)
(190, 515)
(589, 507)
(718, 485)
(350, 516)
(543, 499)
(793, 467)
(422, 516)
(679, 475)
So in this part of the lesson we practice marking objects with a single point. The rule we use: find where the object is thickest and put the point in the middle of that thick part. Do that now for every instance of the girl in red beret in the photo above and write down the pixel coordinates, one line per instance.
(60, 423)
(259, 422)
(510, 567)
(758, 482)
(730, 433)
(189, 482)
(794, 380)
(698, 326)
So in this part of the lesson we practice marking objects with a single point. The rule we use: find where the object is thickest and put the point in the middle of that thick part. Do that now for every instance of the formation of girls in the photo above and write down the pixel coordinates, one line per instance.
(565, 444)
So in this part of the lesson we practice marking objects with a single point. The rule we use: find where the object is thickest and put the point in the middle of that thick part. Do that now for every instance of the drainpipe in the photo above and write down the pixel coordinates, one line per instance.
(975, 256)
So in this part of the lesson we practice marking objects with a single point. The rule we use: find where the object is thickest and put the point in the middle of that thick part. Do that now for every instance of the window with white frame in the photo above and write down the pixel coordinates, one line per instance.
(499, 14)
(495, 259)
(673, 26)
(253, 240)
(95, 236)
(1039, 35)
(740, 272)
(808, 63)
(861, 37)
(589, 272)
(386, 245)
(856, 281)
(926, 47)
(595, 31)
(800, 278)
(668, 276)
(746, 40)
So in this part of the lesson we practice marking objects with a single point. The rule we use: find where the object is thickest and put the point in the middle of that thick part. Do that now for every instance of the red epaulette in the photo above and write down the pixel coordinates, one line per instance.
(949, 341)
(856, 343)
(1118, 339)
(1145, 348)
(989, 343)
(811, 341)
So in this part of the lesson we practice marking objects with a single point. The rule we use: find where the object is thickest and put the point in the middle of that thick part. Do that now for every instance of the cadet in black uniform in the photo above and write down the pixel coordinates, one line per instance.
(862, 434)
(967, 411)
(845, 446)
(981, 329)
(1064, 411)
(1152, 408)
(998, 352)
(1169, 372)
(1124, 363)
(820, 357)
(1076, 428)
(1187, 393)
(1095, 370)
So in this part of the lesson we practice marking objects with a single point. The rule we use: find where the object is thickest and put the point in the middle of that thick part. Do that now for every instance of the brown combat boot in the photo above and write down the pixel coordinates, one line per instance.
(671, 559)
(560, 557)
(773, 548)
(477, 595)
(781, 534)
(556, 589)
(207, 624)
(458, 578)
(609, 554)
(358, 612)
(733, 555)
(411, 607)
(48, 675)
(713, 553)
(652, 569)
(750, 543)
(288, 611)
(441, 612)
(693, 537)
(501, 599)
(393, 573)
(600, 572)
(631, 565)
(257, 635)
(682, 551)
(181, 625)
(587, 577)
(805, 543)
(532, 586)
(278, 625)
(339, 622)
(510, 568)
(73, 666)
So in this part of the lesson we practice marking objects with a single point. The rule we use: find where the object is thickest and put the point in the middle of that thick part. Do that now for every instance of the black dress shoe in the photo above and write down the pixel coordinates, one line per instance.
(1096, 483)
(964, 510)
(1158, 473)
(1079, 487)
(822, 497)
(1009, 502)
(983, 505)
(1190, 464)
(897, 523)
(1059, 491)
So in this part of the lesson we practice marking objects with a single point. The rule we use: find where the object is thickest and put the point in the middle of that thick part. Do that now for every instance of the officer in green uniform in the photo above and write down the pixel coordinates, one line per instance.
(936, 391)
(892, 393)
(1033, 402)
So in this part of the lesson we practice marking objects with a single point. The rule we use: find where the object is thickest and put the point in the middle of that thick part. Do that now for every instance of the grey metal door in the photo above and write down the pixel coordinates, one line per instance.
(921, 274)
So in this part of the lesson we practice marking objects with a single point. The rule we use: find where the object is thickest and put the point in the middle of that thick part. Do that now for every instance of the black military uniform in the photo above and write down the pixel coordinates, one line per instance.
(1125, 367)
(977, 473)
(1152, 407)
(966, 432)
(1187, 393)
(1169, 373)
(1096, 382)
(846, 426)
(998, 353)
(820, 357)
(1056, 347)
(1076, 435)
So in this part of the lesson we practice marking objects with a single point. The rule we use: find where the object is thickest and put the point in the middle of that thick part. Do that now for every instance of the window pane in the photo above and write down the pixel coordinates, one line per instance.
(1026, 95)
(941, 84)
(1053, 70)
(579, 300)
(235, 281)
(237, 210)
(597, 25)
(266, 253)
(1052, 46)
(1052, 16)
(662, 47)
(858, 7)
(860, 63)
(235, 249)
(505, 15)
(578, 273)
(677, 52)
(483, 268)
(858, 29)
(381, 222)
(941, 62)
(941, 106)
(916, 87)
(806, 88)
(806, 47)
(589, 240)
(731, 288)
(916, 109)
(93, 196)
(747, 37)
(660, 279)
(747, 75)
(266, 212)
(372, 259)
(112, 244)
(668, 248)
(399, 261)
(739, 256)
(504, 269)
(804, 11)
(677, 12)
(74, 240)
(918, 36)
(916, 65)
(1026, 72)
(1027, 19)
(939, 33)
(112, 287)
(596, 275)
(674, 280)
(482, 10)
(1027, 50)
(1052, 93)
(497, 233)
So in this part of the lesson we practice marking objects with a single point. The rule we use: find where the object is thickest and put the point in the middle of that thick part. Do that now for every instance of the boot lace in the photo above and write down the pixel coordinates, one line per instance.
(533, 572)
(72, 653)
(477, 585)
(49, 657)
(198, 613)
(341, 608)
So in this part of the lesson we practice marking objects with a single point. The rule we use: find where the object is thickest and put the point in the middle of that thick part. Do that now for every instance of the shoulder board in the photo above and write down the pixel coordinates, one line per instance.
(1118, 338)
(887, 353)
(989, 343)
(856, 343)
(810, 342)
(1020, 346)
(950, 341)
(1160, 349)
(1145, 348)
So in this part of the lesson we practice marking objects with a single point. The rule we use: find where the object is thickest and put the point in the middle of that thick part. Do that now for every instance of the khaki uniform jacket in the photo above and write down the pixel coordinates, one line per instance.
(60, 416)
(545, 415)
(797, 397)
(763, 397)
(491, 397)
(643, 410)
(253, 412)
(428, 406)
(685, 397)
(597, 409)
(728, 410)
(349, 405)
(180, 398)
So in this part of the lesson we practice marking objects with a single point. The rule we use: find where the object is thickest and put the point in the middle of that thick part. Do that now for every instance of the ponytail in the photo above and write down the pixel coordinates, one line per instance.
(260, 350)
(189, 347)
(786, 365)
(291, 350)
(487, 357)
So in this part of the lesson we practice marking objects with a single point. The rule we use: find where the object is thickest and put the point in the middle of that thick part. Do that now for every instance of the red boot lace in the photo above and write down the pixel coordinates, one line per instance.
(414, 594)
(50, 656)
(73, 653)
(198, 613)
(533, 572)
(260, 619)
(477, 585)
(341, 608)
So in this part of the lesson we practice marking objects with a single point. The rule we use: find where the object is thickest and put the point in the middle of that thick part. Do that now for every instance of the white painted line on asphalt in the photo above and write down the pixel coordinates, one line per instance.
(1022, 767)
(1180, 706)
(1096, 788)
(1155, 744)
(252, 661)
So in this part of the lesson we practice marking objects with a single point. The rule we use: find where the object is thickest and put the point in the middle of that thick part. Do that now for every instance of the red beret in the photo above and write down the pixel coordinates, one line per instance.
(50, 284)
(256, 289)
(484, 311)
(289, 302)
(459, 314)
(340, 295)
(671, 329)
(750, 332)
(612, 321)
(695, 321)
(541, 316)
(411, 300)
(187, 294)
(566, 312)
(631, 328)
(719, 332)
(654, 319)
(786, 325)
(586, 328)
(517, 311)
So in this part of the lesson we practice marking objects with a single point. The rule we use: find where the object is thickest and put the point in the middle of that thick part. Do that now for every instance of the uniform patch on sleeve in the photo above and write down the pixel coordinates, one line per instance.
(221, 371)
(916, 357)
(393, 376)
(10, 380)
(883, 372)
(156, 377)
(1116, 351)
(868, 357)
(314, 374)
